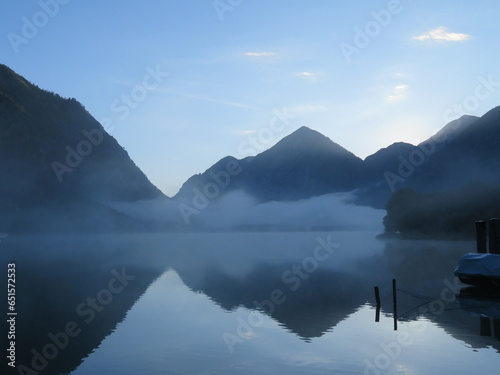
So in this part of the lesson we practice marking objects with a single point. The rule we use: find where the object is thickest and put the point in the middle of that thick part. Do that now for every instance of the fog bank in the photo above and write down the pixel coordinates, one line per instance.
(240, 211)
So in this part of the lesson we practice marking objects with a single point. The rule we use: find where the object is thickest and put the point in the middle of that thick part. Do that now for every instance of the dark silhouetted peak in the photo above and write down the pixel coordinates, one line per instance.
(307, 134)
(388, 152)
(11, 81)
(301, 165)
(453, 129)
(228, 166)
(492, 115)
(386, 159)
(471, 155)
(52, 151)
(306, 139)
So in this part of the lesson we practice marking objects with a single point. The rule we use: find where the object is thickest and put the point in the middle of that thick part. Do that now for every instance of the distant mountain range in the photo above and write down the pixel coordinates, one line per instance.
(56, 158)
(306, 164)
(403, 165)
(471, 155)
(302, 165)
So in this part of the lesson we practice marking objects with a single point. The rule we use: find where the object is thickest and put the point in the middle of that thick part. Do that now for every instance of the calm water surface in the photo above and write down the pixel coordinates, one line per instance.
(246, 303)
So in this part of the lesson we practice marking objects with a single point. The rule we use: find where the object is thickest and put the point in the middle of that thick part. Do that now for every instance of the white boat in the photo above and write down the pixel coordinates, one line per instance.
(479, 269)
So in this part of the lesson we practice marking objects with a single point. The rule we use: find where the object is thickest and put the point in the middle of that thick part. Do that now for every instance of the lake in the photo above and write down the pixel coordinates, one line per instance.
(245, 303)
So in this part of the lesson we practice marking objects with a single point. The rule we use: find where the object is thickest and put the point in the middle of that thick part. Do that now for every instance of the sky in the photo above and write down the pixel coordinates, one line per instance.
(182, 83)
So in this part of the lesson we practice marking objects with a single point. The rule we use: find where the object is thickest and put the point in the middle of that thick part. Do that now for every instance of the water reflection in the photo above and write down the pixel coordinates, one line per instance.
(424, 270)
(485, 305)
(71, 293)
(305, 295)
(94, 281)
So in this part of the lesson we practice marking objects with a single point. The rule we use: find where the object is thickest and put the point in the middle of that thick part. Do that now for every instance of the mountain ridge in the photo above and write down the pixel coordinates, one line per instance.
(290, 170)
(55, 154)
(57, 157)
(263, 175)
(472, 155)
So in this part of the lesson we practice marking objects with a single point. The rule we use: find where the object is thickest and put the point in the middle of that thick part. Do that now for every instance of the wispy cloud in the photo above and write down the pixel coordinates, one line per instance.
(441, 34)
(211, 100)
(260, 54)
(399, 92)
(305, 74)
(247, 132)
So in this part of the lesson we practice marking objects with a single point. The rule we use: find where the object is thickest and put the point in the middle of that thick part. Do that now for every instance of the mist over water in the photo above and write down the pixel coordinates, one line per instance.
(185, 291)
(240, 211)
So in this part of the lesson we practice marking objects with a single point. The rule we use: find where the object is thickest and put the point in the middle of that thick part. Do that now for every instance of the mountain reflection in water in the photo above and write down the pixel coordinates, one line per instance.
(97, 281)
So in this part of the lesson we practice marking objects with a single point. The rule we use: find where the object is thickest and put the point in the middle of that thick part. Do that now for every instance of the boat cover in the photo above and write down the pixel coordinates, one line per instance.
(479, 264)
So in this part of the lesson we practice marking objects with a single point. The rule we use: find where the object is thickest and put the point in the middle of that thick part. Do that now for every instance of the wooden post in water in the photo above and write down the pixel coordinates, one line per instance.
(377, 314)
(377, 295)
(395, 304)
(481, 236)
(485, 326)
(496, 328)
(377, 299)
(494, 236)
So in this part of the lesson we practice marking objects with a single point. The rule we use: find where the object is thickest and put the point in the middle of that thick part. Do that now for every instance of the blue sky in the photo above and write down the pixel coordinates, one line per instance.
(205, 79)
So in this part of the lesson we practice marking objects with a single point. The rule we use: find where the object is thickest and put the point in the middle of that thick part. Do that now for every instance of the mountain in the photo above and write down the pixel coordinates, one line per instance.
(56, 158)
(403, 165)
(375, 190)
(454, 128)
(301, 165)
(457, 184)
(472, 155)
(389, 158)
(306, 164)
(61, 171)
(386, 159)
